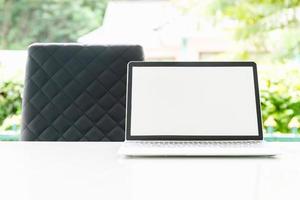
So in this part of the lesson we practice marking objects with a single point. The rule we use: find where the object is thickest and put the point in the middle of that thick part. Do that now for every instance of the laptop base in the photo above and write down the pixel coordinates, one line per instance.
(201, 149)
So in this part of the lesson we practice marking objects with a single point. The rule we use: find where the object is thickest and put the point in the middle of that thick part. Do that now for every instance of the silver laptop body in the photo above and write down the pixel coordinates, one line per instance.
(193, 109)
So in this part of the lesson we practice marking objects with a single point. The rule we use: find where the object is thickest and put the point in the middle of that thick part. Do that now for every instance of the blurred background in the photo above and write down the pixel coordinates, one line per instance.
(264, 31)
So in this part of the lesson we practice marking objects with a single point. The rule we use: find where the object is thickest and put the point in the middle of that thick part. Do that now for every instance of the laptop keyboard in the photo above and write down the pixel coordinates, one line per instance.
(196, 144)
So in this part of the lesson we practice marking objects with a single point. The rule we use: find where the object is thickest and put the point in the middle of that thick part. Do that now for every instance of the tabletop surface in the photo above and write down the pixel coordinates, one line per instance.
(61, 170)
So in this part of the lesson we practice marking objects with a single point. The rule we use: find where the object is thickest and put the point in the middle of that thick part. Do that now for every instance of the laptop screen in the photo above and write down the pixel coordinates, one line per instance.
(193, 101)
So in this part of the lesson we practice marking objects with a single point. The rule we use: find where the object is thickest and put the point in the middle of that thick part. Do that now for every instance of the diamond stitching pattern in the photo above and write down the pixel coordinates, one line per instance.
(76, 92)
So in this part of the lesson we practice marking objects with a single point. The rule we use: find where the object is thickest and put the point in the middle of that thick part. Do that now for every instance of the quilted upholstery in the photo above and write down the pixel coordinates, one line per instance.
(76, 92)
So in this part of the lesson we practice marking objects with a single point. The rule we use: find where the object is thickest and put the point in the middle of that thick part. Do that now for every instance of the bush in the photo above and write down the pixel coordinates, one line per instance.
(10, 100)
(280, 95)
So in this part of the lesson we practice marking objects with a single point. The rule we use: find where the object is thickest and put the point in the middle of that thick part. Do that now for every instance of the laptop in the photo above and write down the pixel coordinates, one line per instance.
(193, 109)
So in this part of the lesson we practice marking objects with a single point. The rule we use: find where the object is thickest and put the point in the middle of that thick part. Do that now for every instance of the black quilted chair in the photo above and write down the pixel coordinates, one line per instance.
(76, 92)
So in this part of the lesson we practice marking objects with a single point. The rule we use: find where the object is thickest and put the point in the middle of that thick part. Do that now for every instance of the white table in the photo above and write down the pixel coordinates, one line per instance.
(87, 171)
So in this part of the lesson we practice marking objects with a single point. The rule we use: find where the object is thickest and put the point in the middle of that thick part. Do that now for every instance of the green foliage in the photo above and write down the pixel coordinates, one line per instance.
(23, 22)
(267, 25)
(280, 97)
(10, 100)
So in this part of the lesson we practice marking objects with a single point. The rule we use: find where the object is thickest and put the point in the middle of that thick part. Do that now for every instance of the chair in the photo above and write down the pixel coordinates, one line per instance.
(76, 92)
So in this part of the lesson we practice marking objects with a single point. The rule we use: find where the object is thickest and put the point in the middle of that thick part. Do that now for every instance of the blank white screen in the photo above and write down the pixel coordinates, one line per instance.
(194, 101)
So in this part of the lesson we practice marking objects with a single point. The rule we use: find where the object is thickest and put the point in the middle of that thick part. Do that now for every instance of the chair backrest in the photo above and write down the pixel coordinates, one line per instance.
(76, 92)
